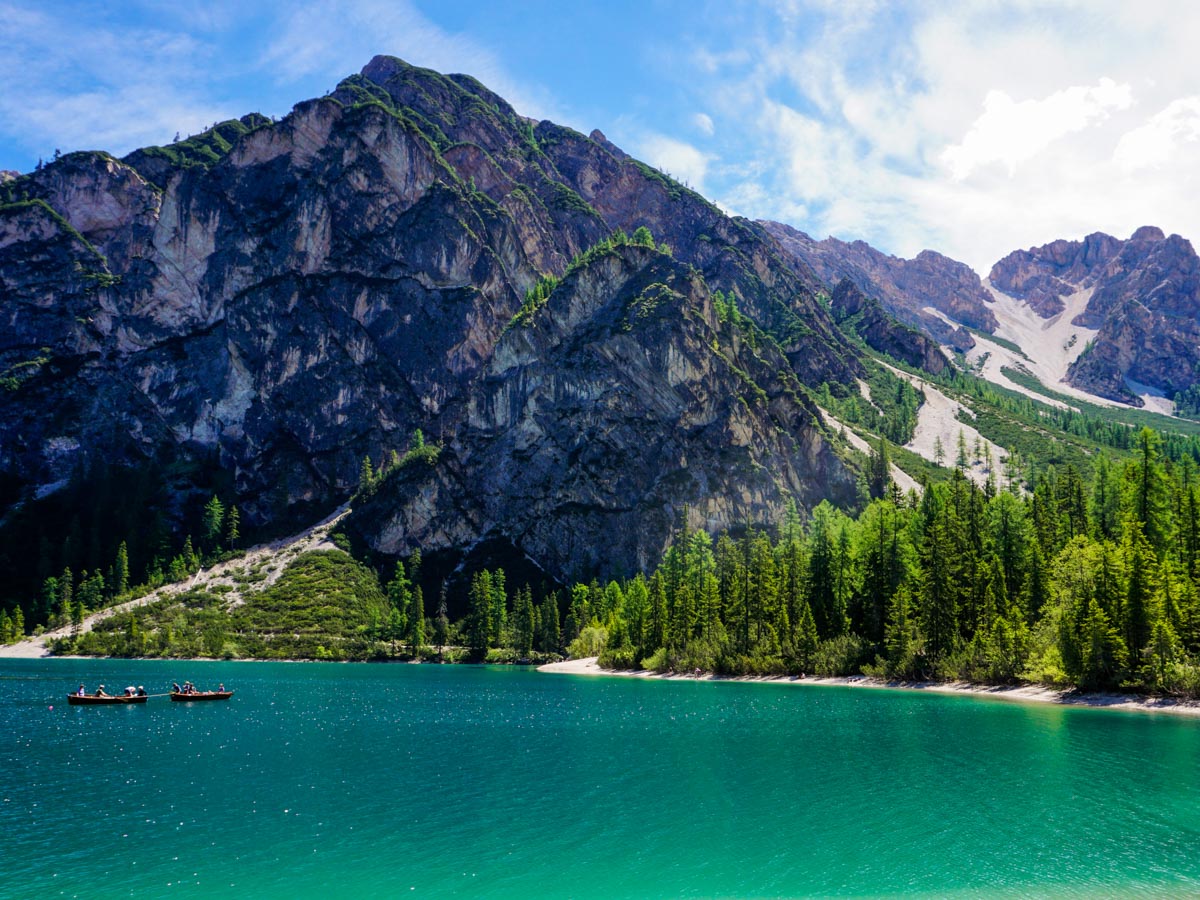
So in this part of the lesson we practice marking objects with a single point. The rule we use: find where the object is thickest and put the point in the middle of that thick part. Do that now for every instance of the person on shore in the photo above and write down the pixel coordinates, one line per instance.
(82, 692)
(100, 692)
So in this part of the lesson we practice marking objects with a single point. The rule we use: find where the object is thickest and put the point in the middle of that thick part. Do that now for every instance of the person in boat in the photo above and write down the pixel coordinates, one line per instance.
(221, 687)
(82, 692)
(100, 692)
(130, 691)
(175, 688)
(141, 691)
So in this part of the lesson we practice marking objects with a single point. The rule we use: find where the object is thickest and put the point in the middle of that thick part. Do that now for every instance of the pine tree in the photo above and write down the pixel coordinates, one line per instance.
(1140, 613)
(214, 520)
(416, 621)
(807, 640)
(366, 475)
(441, 623)
(880, 475)
(121, 570)
(523, 622)
(499, 617)
(478, 633)
(233, 528)
(901, 639)
(66, 593)
(550, 640)
(1149, 490)
(1106, 500)
(191, 562)
(399, 594)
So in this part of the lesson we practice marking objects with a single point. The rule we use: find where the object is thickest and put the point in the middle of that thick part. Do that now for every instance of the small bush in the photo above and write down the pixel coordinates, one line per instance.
(841, 655)
(658, 661)
(590, 642)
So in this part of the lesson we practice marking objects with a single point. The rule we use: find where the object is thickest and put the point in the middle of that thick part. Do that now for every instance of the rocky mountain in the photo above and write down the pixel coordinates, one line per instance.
(864, 315)
(275, 301)
(1140, 296)
(1144, 301)
(907, 289)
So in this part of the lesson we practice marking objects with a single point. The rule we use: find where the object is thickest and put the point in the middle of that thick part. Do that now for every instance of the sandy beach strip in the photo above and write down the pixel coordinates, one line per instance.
(1025, 693)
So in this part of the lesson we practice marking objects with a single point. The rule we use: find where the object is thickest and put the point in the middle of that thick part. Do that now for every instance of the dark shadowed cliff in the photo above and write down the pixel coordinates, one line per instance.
(278, 300)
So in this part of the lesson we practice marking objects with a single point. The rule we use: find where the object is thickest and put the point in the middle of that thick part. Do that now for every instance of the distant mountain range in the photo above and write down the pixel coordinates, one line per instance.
(591, 350)
(1138, 301)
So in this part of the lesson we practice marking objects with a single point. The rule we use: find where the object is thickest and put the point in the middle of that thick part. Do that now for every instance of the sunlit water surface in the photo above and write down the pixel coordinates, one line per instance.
(327, 780)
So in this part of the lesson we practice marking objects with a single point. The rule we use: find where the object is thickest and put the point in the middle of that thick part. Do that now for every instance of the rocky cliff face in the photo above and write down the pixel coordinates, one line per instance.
(619, 403)
(866, 317)
(906, 288)
(1042, 276)
(287, 298)
(1145, 302)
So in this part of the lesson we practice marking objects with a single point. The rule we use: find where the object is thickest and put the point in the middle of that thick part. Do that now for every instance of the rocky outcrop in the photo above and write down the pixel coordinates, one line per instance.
(854, 310)
(618, 405)
(906, 288)
(1145, 303)
(287, 298)
(1042, 276)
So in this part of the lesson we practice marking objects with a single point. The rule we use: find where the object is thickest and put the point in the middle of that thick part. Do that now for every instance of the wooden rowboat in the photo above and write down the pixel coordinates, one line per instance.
(201, 695)
(93, 700)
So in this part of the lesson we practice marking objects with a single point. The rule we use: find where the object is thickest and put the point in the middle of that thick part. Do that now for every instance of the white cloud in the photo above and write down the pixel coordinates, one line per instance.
(704, 124)
(338, 39)
(78, 75)
(1012, 132)
(71, 83)
(1156, 142)
(680, 160)
(972, 129)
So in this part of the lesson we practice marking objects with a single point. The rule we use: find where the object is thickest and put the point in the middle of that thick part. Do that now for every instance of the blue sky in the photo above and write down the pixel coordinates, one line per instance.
(973, 127)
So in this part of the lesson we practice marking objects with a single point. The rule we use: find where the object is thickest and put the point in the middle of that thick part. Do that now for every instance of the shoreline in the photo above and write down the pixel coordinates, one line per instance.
(1022, 693)
(589, 666)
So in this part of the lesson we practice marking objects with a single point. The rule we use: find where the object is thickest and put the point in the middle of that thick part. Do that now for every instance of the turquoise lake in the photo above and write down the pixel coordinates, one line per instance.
(327, 780)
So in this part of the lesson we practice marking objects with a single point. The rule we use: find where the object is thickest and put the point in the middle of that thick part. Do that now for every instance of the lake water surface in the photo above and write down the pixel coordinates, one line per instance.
(327, 780)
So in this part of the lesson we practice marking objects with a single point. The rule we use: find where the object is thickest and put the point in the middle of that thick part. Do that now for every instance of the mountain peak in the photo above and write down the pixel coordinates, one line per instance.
(1149, 233)
(381, 68)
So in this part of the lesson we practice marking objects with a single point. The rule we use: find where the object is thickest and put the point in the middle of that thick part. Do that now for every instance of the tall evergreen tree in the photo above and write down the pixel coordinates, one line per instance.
(121, 570)
(214, 520)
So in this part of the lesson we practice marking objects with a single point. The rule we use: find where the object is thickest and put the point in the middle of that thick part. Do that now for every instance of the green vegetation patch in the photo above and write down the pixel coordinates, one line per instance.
(324, 605)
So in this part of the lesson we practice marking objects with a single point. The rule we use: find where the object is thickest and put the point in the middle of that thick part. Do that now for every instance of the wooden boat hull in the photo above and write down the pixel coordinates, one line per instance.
(90, 700)
(203, 695)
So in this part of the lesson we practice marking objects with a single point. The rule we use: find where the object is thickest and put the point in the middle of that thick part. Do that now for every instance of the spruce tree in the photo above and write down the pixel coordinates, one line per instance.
(121, 570)
(551, 635)
(214, 520)
(233, 528)
(416, 621)
(441, 623)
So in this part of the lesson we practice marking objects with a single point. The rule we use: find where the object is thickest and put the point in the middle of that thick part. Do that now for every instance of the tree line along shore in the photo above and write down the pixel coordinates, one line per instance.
(1089, 585)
